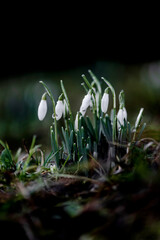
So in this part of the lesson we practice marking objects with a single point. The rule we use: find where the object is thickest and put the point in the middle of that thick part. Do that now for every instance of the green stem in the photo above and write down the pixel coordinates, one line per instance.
(114, 108)
(54, 111)
(67, 100)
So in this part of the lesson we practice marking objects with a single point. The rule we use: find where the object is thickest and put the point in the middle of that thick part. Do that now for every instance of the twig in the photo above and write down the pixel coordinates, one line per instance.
(81, 178)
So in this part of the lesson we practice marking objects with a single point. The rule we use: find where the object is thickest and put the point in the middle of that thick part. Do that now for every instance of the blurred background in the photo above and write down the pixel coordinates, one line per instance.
(129, 57)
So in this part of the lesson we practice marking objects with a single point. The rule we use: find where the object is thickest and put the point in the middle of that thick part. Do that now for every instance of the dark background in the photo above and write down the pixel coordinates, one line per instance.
(45, 38)
(27, 53)
(56, 43)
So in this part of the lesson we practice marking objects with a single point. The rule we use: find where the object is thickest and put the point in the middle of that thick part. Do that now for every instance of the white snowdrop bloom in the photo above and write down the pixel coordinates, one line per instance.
(125, 113)
(53, 168)
(85, 103)
(59, 109)
(105, 102)
(42, 108)
(121, 117)
(92, 101)
(76, 122)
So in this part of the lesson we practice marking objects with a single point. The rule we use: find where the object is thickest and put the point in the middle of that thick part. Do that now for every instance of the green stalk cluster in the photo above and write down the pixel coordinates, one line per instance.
(81, 136)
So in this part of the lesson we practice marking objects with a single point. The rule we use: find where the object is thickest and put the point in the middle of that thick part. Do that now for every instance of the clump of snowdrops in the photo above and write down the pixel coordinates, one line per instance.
(104, 136)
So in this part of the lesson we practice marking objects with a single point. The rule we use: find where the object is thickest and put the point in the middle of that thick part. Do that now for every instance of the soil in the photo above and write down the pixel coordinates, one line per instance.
(124, 205)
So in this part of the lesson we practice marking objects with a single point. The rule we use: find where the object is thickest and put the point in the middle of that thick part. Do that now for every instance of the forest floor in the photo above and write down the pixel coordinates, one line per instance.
(124, 205)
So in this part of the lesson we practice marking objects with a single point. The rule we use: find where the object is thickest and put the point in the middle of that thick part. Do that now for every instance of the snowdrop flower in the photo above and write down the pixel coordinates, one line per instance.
(121, 117)
(85, 103)
(122, 113)
(92, 102)
(53, 168)
(42, 108)
(59, 109)
(105, 101)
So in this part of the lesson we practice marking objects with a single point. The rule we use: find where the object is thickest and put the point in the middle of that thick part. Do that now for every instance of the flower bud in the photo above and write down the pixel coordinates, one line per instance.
(121, 117)
(42, 108)
(105, 102)
(53, 168)
(76, 121)
(59, 109)
(85, 103)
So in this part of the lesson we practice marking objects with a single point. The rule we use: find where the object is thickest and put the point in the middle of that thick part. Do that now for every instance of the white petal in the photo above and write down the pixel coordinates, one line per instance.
(120, 119)
(92, 101)
(124, 114)
(53, 168)
(105, 102)
(86, 102)
(82, 111)
(76, 122)
(42, 109)
(59, 109)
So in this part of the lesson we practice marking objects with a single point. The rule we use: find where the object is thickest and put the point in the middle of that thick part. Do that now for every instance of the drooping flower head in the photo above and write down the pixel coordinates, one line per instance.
(42, 108)
(53, 168)
(121, 117)
(85, 103)
(122, 113)
(60, 108)
(105, 101)
(121, 99)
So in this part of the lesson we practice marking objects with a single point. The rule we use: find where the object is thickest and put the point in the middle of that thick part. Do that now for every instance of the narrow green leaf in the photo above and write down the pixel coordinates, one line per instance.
(84, 86)
(33, 142)
(141, 131)
(66, 139)
(86, 81)
(6, 159)
(54, 145)
(79, 143)
(51, 156)
(90, 127)
(129, 131)
(105, 131)
(2, 143)
(71, 140)
(66, 97)
(95, 79)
